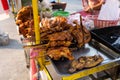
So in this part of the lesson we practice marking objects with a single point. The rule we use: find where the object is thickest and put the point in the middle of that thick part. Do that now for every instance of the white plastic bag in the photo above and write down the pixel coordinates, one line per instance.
(4, 38)
(110, 10)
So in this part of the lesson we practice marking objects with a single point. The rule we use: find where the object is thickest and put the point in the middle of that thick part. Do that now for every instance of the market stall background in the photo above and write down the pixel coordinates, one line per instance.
(76, 4)
(20, 44)
(12, 59)
(50, 69)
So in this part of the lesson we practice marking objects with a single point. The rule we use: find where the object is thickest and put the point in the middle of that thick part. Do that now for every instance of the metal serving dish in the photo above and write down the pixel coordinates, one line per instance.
(62, 65)
(109, 36)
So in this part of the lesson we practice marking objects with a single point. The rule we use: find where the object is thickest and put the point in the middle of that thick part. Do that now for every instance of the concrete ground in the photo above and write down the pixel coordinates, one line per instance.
(12, 58)
(73, 5)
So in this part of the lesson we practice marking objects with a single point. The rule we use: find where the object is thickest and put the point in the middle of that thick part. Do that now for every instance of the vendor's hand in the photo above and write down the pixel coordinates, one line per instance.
(87, 9)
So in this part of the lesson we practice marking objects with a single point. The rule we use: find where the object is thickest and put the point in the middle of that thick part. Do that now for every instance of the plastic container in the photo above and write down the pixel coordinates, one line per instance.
(61, 13)
(58, 5)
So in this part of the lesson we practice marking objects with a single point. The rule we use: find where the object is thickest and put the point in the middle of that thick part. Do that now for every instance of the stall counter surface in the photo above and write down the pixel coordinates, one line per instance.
(93, 72)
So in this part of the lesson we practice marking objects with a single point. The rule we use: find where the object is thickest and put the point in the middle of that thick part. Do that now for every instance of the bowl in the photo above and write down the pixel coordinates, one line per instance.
(59, 5)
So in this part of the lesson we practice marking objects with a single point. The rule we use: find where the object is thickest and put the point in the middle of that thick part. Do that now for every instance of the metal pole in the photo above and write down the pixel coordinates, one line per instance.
(41, 60)
(36, 23)
(13, 10)
(18, 5)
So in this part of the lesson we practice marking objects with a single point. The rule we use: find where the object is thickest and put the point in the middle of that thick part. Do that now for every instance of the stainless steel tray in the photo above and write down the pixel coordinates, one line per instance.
(61, 66)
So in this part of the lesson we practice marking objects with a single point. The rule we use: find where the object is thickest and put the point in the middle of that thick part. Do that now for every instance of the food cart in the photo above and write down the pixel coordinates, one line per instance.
(40, 65)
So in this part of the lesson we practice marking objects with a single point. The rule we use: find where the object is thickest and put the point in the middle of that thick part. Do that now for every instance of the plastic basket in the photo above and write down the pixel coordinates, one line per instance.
(102, 23)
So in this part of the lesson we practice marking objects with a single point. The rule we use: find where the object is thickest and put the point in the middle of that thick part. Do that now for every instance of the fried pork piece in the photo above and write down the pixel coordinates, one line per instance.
(87, 35)
(57, 53)
(18, 22)
(24, 13)
(93, 61)
(81, 63)
(60, 36)
(54, 25)
(73, 65)
(58, 21)
(25, 22)
(59, 43)
(48, 31)
(77, 65)
(26, 28)
(80, 34)
(85, 62)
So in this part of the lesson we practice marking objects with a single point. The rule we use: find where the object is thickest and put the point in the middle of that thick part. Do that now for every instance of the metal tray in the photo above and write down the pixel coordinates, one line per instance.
(109, 36)
(61, 66)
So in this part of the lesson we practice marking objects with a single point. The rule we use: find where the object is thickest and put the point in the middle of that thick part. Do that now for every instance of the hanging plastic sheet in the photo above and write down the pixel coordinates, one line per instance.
(110, 10)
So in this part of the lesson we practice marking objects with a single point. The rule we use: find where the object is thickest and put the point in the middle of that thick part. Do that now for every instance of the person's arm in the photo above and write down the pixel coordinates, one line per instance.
(91, 7)
(85, 5)
(98, 6)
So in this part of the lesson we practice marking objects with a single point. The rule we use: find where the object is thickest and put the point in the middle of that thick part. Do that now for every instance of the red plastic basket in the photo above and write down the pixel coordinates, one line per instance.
(102, 23)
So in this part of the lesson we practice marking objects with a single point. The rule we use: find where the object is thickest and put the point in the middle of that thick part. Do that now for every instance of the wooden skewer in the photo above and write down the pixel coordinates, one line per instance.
(82, 28)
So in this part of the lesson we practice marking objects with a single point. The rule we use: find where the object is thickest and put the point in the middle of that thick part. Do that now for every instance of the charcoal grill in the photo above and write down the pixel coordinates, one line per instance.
(109, 36)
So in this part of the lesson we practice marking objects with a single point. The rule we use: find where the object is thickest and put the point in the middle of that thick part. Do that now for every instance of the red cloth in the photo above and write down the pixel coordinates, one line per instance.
(33, 69)
(5, 4)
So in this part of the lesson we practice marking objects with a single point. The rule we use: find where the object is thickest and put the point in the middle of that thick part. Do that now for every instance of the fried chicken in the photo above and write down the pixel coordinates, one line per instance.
(60, 36)
(59, 43)
(57, 53)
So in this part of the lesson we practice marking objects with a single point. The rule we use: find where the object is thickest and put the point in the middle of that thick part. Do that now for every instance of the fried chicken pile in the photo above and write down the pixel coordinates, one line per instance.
(25, 22)
(57, 35)
(60, 36)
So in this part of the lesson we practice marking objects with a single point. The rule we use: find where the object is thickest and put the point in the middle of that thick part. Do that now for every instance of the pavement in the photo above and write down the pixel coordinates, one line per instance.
(73, 5)
(12, 58)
